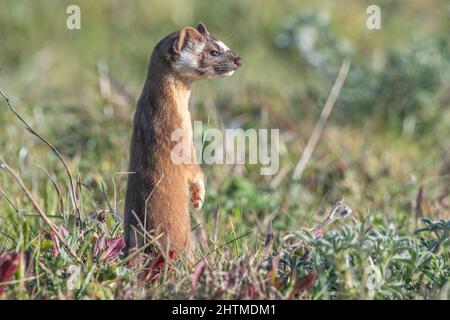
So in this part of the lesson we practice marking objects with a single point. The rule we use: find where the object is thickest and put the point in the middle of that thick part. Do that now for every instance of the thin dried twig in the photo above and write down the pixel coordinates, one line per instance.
(73, 192)
(419, 204)
(38, 208)
(55, 185)
(340, 210)
(320, 124)
(216, 225)
(202, 235)
(268, 239)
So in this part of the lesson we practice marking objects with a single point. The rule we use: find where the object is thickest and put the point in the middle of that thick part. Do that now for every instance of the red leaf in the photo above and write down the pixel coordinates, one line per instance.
(303, 283)
(110, 247)
(251, 292)
(198, 272)
(8, 267)
(317, 233)
(306, 282)
(113, 248)
(157, 266)
(56, 245)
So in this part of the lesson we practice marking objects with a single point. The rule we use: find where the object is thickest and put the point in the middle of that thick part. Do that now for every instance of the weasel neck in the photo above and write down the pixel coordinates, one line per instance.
(178, 92)
(169, 91)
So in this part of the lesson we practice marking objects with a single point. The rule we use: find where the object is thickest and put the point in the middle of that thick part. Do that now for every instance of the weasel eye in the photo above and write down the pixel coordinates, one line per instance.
(214, 53)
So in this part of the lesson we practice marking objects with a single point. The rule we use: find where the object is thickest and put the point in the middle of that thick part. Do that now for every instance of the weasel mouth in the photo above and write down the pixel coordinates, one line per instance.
(229, 73)
(225, 71)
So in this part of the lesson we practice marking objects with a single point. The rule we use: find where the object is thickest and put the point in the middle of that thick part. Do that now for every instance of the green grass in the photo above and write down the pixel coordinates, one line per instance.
(386, 140)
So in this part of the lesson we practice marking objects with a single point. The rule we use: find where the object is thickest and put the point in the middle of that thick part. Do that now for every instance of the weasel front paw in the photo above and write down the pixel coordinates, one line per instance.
(198, 193)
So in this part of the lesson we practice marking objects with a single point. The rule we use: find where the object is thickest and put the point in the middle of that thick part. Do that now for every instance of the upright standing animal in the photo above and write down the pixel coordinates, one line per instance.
(157, 198)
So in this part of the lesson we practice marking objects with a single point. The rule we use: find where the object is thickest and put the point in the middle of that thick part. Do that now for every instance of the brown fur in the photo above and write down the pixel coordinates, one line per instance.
(157, 199)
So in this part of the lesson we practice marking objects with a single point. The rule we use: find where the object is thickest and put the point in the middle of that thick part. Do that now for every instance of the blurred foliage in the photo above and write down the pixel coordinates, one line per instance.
(404, 88)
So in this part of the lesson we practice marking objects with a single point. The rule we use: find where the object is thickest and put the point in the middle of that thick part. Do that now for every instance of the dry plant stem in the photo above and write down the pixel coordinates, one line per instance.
(216, 226)
(268, 239)
(73, 193)
(55, 185)
(36, 206)
(203, 236)
(339, 211)
(322, 225)
(320, 124)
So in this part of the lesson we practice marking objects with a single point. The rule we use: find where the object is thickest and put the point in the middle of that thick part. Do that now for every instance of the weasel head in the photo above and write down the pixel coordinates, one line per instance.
(195, 55)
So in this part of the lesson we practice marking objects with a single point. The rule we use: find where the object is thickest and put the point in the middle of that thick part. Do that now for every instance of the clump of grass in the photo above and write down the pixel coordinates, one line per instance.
(355, 261)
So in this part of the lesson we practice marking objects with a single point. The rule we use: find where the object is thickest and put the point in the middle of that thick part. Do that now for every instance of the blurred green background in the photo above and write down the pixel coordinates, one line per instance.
(388, 133)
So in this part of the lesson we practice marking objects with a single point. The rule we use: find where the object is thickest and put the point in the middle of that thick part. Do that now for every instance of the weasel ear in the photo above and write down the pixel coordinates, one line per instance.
(183, 37)
(180, 41)
(202, 28)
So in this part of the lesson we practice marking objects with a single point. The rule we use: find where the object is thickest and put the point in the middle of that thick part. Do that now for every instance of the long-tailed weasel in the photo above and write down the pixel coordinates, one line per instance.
(157, 199)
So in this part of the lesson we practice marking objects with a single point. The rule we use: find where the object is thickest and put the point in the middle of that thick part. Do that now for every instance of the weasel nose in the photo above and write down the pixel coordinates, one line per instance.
(238, 61)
